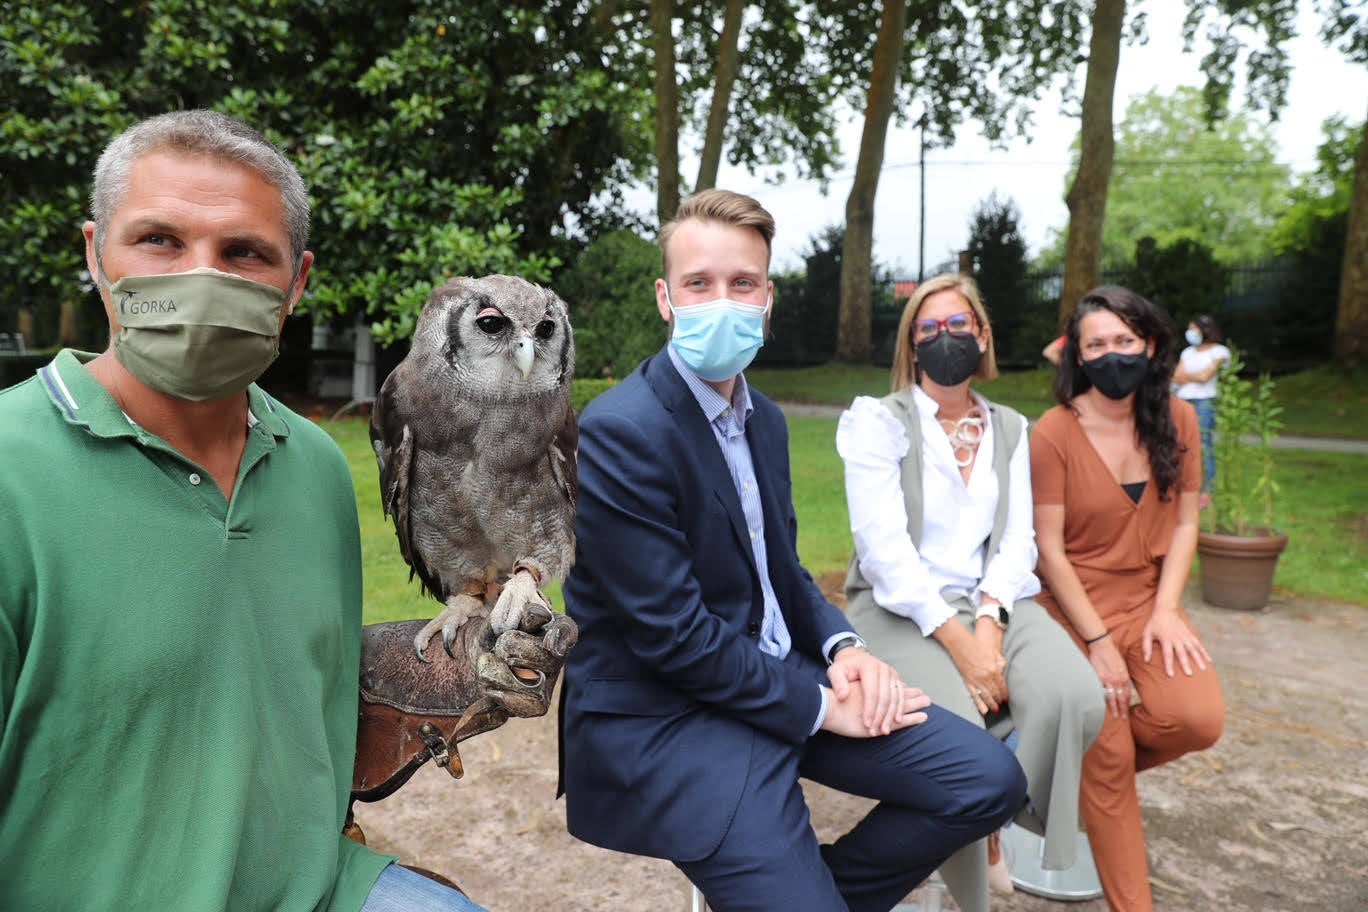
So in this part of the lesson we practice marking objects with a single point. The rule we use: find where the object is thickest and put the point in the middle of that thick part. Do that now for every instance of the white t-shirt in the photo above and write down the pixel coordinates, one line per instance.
(1194, 360)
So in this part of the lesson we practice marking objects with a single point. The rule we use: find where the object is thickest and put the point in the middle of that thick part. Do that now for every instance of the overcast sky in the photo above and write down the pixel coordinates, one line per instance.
(1031, 172)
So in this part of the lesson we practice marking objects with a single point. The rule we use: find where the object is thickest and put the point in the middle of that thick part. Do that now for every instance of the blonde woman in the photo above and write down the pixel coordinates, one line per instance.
(939, 490)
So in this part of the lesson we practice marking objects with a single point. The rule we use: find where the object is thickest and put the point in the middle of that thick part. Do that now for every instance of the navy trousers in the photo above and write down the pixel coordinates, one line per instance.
(940, 785)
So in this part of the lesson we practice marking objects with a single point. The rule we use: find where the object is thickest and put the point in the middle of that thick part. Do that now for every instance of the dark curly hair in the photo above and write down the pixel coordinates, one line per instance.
(1154, 427)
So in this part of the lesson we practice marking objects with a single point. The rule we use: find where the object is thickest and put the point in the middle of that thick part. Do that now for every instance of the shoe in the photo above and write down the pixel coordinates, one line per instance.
(999, 878)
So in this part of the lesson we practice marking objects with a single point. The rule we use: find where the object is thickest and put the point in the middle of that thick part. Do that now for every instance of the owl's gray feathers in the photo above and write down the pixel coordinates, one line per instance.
(475, 436)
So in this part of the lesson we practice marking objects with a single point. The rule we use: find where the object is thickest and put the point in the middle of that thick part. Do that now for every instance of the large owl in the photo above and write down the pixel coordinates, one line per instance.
(475, 436)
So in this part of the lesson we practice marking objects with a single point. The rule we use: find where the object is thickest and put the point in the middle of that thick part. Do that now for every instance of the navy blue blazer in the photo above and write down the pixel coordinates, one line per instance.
(667, 693)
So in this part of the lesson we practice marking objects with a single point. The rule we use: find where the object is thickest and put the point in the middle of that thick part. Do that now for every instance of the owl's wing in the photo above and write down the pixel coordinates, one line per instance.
(394, 446)
(563, 455)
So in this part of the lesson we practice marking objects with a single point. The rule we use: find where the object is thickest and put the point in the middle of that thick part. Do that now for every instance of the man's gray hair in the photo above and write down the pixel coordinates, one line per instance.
(198, 133)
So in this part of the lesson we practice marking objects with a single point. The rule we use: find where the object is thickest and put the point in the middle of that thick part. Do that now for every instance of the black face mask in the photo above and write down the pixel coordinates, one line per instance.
(949, 359)
(1115, 375)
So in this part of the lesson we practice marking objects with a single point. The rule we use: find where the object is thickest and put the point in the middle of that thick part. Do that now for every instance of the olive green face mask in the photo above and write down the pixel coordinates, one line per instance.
(196, 335)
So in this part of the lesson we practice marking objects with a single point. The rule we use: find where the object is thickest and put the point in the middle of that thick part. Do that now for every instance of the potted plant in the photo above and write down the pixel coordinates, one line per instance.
(1239, 544)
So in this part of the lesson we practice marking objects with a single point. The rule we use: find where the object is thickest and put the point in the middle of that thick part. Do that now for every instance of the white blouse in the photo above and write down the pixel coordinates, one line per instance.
(957, 518)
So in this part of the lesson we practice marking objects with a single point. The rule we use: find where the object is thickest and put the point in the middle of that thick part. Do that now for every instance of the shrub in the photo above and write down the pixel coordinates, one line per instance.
(611, 295)
(1243, 491)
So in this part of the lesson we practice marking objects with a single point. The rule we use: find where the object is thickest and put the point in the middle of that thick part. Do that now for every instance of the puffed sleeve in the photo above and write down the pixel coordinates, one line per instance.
(872, 444)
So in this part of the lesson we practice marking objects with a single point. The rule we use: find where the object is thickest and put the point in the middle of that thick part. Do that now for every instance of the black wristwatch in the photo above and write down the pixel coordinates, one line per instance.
(1003, 617)
(849, 639)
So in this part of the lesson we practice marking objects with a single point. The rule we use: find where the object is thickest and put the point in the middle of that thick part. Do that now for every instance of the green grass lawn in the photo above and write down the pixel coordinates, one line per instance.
(1323, 402)
(1324, 498)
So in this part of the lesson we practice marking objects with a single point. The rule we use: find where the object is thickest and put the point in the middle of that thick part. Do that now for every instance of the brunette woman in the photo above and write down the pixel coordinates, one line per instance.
(1116, 471)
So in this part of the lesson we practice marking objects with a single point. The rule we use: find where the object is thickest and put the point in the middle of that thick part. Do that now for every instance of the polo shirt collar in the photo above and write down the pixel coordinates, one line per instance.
(81, 399)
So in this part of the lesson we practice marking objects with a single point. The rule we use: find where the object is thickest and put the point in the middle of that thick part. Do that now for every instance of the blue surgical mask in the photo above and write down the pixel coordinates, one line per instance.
(719, 339)
(1193, 336)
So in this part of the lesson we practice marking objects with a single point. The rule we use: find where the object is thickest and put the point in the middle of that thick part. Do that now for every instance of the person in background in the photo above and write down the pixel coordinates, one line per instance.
(1115, 471)
(938, 486)
(1195, 379)
(180, 568)
(1051, 352)
(711, 673)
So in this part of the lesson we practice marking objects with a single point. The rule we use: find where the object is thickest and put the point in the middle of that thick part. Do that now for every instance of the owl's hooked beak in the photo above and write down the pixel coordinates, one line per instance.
(524, 350)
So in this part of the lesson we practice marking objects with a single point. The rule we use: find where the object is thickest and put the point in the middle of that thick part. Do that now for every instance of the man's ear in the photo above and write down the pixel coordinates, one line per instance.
(663, 300)
(295, 292)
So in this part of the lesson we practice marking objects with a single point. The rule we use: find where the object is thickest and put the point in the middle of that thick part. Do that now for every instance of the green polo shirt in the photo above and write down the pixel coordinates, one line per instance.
(178, 672)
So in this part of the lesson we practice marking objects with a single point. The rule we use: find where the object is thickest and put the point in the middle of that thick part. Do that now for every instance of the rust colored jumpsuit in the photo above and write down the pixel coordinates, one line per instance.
(1117, 547)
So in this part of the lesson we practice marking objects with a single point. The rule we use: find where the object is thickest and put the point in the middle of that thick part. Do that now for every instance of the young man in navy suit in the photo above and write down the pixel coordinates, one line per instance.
(711, 673)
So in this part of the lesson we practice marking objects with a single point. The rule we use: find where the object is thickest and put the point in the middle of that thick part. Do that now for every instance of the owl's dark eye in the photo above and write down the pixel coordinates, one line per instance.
(491, 325)
(545, 330)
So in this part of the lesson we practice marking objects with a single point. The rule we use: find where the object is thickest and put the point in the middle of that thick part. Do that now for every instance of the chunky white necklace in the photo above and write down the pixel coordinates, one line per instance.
(965, 435)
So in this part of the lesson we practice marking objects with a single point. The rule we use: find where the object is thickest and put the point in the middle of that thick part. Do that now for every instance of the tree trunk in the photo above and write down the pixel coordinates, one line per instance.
(69, 325)
(725, 77)
(1087, 198)
(852, 334)
(25, 325)
(667, 110)
(1351, 323)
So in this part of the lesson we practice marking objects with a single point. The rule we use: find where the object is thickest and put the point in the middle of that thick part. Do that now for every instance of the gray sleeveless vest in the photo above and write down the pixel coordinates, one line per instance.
(1007, 425)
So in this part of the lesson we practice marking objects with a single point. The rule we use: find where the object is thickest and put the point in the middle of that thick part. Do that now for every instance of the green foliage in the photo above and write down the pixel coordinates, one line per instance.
(1247, 419)
(1183, 277)
(1177, 176)
(1324, 194)
(610, 289)
(584, 390)
(437, 139)
(1311, 236)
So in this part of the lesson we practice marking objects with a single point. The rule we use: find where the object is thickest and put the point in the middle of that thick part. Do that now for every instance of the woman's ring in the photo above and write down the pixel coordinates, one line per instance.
(1109, 691)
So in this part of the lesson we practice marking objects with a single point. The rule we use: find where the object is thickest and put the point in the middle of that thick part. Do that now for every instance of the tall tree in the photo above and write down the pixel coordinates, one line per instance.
(667, 109)
(783, 119)
(1087, 196)
(852, 336)
(1351, 323)
(724, 79)
(984, 63)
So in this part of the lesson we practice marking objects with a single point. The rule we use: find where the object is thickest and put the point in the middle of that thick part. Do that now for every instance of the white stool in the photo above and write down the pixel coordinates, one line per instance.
(1024, 851)
(696, 901)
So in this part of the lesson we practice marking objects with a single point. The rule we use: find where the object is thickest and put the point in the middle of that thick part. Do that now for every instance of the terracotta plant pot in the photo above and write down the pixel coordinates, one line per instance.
(1237, 570)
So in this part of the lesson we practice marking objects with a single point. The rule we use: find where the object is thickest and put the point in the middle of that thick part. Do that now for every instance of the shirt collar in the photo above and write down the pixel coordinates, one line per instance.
(713, 404)
(929, 406)
(83, 401)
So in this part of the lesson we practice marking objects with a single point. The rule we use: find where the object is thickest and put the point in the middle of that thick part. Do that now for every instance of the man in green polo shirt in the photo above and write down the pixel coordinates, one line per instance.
(180, 568)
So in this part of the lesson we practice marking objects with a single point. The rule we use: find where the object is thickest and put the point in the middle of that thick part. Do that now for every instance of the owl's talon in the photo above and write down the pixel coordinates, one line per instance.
(459, 609)
(519, 599)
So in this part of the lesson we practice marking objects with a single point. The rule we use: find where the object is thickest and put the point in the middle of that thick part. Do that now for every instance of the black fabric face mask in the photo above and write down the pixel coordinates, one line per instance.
(949, 359)
(1115, 375)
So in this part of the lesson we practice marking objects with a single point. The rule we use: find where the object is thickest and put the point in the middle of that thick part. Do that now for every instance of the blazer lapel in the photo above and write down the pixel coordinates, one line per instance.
(679, 400)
